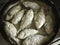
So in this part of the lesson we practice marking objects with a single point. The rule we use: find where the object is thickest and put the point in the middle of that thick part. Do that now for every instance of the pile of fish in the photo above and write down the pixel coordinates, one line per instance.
(29, 23)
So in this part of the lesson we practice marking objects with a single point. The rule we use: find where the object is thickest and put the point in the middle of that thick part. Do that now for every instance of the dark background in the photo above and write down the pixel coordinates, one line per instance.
(2, 2)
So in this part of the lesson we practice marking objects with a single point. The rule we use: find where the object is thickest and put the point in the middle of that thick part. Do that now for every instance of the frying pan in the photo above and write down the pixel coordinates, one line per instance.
(5, 9)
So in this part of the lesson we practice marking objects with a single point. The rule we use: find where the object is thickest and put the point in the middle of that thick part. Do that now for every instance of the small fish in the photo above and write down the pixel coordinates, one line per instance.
(13, 11)
(34, 40)
(11, 32)
(27, 32)
(17, 17)
(27, 19)
(10, 29)
(39, 19)
(31, 5)
(49, 24)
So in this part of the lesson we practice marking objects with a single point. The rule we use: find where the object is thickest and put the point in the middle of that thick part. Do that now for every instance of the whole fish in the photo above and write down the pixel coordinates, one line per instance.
(32, 5)
(49, 24)
(34, 40)
(13, 11)
(39, 19)
(10, 29)
(27, 32)
(17, 17)
(27, 19)
(11, 32)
